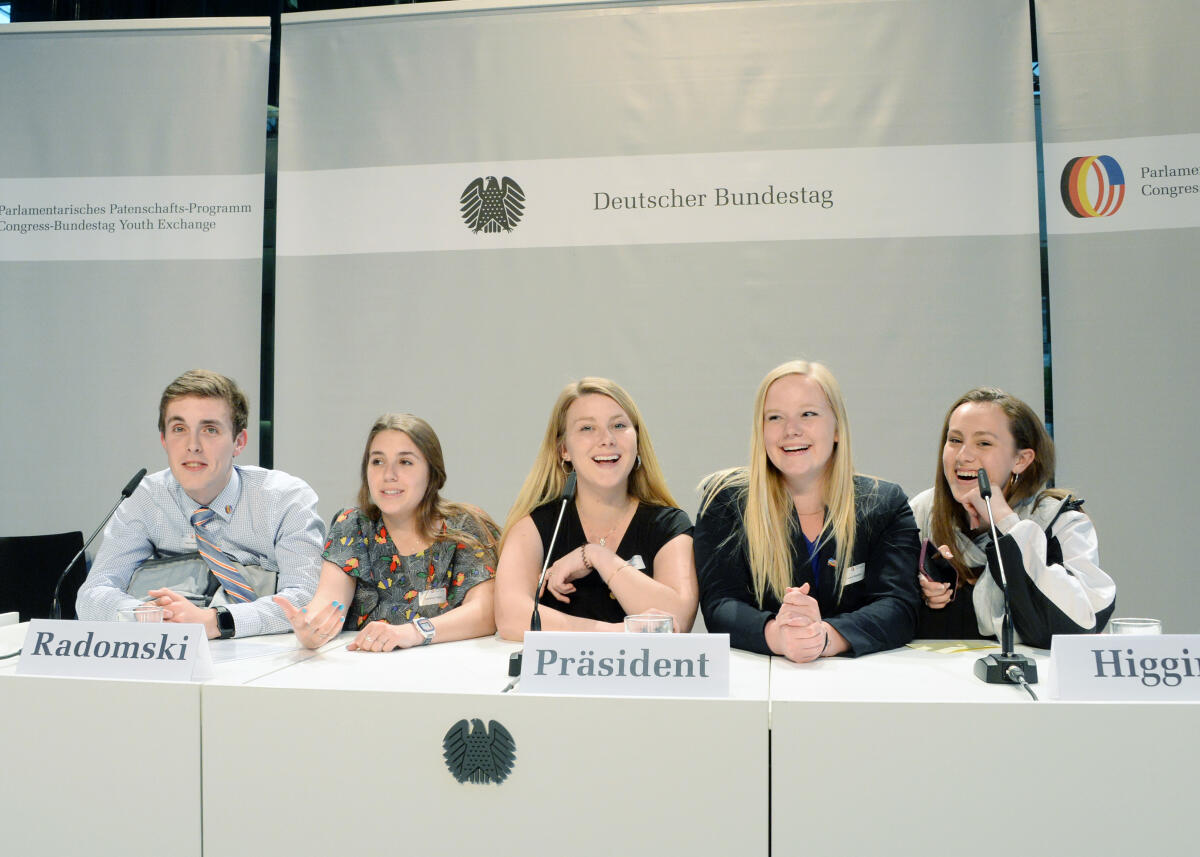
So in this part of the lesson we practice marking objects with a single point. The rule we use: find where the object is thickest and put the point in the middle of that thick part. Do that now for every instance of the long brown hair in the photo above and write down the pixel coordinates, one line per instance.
(432, 509)
(547, 477)
(948, 518)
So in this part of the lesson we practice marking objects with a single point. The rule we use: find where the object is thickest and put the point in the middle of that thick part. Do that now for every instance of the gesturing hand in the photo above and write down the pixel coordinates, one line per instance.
(313, 630)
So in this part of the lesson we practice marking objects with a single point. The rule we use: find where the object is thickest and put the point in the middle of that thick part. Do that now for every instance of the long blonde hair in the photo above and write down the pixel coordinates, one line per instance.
(547, 478)
(432, 509)
(769, 520)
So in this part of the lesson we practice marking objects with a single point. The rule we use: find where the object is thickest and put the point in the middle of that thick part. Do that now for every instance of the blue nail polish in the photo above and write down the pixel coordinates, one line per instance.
(341, 607)
(303, 609)
(335, 604)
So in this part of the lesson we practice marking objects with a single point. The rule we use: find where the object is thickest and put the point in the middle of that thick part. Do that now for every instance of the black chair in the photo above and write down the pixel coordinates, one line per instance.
(29, 568)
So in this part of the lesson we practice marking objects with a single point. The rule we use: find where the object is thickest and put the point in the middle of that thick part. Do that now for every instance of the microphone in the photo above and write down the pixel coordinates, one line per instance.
(130, 487)
(535, 620)
(1007, 667)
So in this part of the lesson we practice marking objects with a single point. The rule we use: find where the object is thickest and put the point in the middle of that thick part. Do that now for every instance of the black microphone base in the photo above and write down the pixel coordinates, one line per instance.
(514, 664)
(993, 669)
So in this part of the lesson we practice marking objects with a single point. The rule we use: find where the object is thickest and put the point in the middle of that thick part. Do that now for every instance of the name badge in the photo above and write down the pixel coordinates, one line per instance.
(430, 597)
(1124, 667)
(189, 539)
(152, 651)
(855, 573)
(602, 664)
(637, 562)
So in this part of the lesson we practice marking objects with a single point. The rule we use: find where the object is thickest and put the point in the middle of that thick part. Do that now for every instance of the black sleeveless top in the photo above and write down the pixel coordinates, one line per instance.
(650, 529)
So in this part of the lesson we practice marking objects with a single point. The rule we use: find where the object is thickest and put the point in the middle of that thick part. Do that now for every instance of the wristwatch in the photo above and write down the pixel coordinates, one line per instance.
(425, 627)
(225, 626)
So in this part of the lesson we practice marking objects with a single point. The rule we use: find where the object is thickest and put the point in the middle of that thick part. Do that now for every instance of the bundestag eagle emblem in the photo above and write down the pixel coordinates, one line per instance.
(481, 755)
(492, 207)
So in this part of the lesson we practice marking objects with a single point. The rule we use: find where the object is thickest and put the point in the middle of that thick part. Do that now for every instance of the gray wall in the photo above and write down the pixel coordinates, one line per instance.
(479, 343)
(86, 347)
(1124, 303)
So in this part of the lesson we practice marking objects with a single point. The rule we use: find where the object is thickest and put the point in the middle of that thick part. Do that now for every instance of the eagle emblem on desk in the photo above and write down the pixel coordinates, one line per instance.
(490, 206)
(479, 754)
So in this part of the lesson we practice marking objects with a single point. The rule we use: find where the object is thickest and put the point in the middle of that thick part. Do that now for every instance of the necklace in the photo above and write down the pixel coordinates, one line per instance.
(603, 540)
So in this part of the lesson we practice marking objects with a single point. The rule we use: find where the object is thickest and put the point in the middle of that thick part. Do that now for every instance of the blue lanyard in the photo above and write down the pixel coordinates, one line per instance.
(814, 560)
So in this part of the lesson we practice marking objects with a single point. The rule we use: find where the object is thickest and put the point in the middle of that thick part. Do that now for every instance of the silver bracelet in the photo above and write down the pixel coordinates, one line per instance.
(613, 576)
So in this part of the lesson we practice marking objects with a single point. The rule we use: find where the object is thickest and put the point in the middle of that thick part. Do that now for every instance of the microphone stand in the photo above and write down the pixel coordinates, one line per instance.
(535, 620)
(1006, 667)
(55, 605)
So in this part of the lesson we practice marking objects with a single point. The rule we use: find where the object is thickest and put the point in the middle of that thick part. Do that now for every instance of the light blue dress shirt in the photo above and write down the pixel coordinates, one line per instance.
(263, 517)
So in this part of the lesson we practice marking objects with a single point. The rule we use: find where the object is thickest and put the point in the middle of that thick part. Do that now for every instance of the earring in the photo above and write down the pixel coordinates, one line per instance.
(562, 462)
(637, 462)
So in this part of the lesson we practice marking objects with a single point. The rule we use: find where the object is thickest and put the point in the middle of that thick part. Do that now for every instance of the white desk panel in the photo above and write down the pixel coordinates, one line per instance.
(907, 753)
(92, 766)
(99, 767)
(360, 736)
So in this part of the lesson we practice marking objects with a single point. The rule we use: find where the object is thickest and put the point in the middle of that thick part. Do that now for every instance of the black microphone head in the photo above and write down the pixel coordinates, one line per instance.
(133, 483)
(569, 488)
(985, 486)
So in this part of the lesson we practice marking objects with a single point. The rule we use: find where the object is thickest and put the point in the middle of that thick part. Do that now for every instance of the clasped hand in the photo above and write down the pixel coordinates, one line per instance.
(802, 631)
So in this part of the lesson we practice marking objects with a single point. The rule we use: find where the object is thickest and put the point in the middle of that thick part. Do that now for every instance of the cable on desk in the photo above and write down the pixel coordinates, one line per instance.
(1016, 676)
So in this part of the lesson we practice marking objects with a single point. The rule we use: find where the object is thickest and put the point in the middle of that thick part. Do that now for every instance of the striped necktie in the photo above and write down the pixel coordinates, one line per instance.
(221, 565)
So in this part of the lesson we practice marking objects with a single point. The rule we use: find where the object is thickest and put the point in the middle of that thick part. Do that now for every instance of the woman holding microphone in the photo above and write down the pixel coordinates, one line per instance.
(1048, 545)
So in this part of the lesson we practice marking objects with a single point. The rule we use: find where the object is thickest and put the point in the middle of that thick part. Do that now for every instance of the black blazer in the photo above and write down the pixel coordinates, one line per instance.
(878, 608)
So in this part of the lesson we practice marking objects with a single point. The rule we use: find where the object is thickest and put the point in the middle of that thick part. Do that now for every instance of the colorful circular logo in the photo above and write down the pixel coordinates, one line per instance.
(1093, 186)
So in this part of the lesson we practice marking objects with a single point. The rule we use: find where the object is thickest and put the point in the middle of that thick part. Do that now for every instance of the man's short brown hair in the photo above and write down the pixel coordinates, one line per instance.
(206, 385)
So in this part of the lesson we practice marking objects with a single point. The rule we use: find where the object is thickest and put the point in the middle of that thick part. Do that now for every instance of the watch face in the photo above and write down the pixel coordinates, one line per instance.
(225, 622)
(425, 625)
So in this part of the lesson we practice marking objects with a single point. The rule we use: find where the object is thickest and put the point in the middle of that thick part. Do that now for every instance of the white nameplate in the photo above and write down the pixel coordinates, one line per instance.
(588, 664)
(140, 650)
(1126, 667)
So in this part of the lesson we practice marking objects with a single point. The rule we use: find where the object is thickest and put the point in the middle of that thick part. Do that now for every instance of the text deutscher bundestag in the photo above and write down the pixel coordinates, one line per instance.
(549, 662)
(719, 197)
(116, 217)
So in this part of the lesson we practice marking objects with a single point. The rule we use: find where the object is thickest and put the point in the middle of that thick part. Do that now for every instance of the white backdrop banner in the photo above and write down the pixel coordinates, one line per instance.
(1137, 183)
(131, 219)
(813, 194)
(676, 196)
(1121, 123)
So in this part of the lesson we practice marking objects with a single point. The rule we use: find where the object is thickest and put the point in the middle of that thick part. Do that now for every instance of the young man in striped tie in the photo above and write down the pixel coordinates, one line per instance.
(235, 517)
